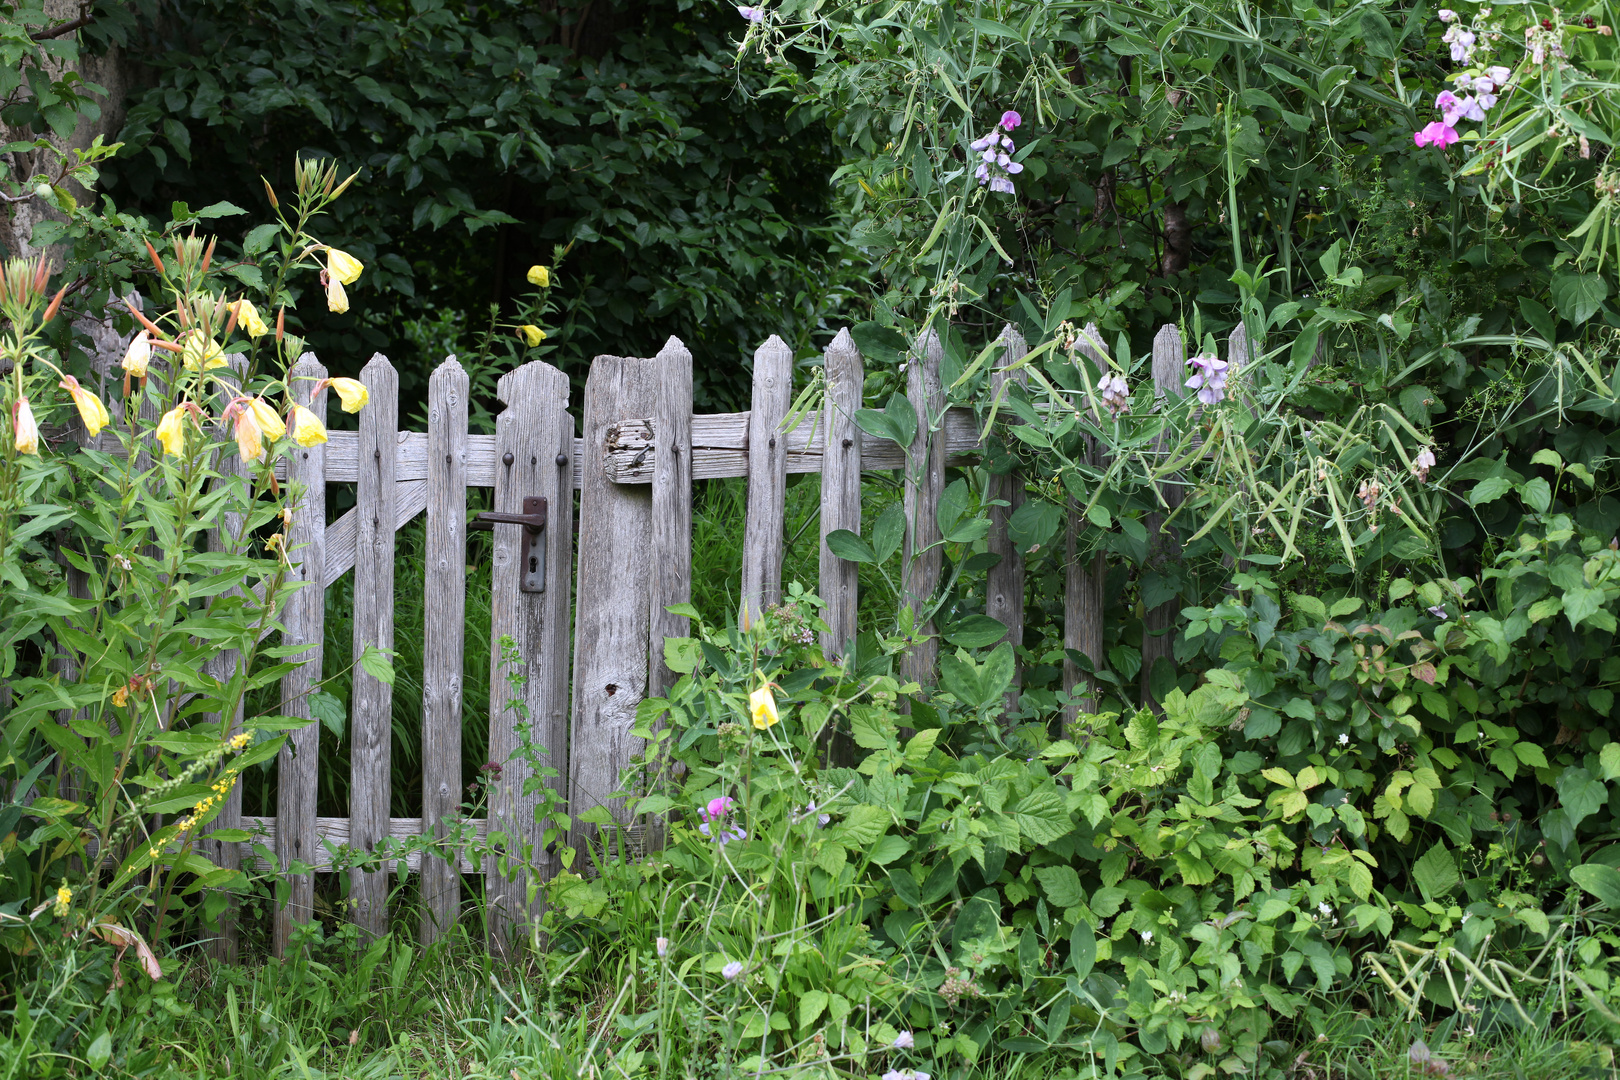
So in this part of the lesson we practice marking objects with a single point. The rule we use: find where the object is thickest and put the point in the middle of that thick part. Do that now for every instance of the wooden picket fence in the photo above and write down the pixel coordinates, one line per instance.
(639, 450)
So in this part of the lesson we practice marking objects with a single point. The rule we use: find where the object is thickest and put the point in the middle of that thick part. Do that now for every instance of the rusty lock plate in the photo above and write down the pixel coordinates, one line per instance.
(532, 575)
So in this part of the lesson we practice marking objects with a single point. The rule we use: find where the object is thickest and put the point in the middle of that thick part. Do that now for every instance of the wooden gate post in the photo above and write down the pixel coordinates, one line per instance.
(840, 509)
(1169, 384)
(1004, 584)
(534, 443)
(767, 480)
(444, 596)
(304, 618)
(924, 483)
(371, 729)
(671, 564)
(611, 624)
(1084, 581)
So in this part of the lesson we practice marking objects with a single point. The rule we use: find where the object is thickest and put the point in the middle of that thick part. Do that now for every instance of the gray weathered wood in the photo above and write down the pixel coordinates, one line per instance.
(671, 565)
(924, 483)
(222, 666)
(1084, 577)
(840, 489)
(1004, 584)
(444, 598)
(536, 430)
(371, 726)
(767, 480)
(610, 627)
(410, 499)
(332, 833)
(1240, 356)
(304, 620)
(1169, 382)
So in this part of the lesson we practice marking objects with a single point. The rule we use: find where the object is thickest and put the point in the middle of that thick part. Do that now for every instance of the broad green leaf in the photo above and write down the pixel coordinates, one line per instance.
(846, 545)
(1601, 881)
(1062, 887)
(1436, 873)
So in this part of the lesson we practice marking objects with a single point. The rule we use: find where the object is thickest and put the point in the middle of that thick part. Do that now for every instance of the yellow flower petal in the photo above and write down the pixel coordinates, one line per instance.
(532, 334)
(307, 429)
(268, 420)
(762, 706)
(202, 352)
(249, 439)
(336, 299)
(539, 277)
(248, 317)
(139, 354)
(22, 420)
(171, 431)
(352, 393)
(91, 410)
(343, 266)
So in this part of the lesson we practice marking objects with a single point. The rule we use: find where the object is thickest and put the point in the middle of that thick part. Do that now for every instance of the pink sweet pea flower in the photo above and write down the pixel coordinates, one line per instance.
(1010, 120)
(1435, 134)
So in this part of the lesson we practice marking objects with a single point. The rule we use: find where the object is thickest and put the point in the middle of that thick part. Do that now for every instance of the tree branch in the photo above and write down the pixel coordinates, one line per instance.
(84, 19)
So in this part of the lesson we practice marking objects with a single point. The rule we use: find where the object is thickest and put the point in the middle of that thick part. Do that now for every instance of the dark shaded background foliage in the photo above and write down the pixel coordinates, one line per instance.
(488, 134)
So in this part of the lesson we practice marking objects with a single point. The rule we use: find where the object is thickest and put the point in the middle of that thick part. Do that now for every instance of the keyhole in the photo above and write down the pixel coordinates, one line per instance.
(534, 564)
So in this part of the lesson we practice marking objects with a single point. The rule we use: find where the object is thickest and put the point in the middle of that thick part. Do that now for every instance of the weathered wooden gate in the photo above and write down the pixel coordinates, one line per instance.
(633, 463)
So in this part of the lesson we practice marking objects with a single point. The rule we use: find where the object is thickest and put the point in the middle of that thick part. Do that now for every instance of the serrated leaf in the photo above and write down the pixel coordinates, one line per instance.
(1062, 886)
(1436, 873)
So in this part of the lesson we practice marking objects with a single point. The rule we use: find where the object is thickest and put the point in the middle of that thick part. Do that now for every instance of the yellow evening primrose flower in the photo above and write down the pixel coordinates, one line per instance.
(532, 334)
(121, 696)
(64, 897)
(539, 277)
(202, 352)
(268, 420)
(91, 410)
(248, 316)
(138, 355)
(306, 427)
(343, 266)
(351, 392)
(171, 431)
(23, 423)
(336, 299)
(762, 706)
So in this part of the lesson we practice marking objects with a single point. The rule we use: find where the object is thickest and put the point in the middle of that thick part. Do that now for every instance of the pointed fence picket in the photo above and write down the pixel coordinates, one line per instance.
(578, 629)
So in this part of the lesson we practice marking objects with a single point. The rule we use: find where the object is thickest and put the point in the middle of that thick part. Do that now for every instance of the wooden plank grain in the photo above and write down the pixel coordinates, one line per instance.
(304, 620)
(924, 483)
(671, 564)
(410, 499)
(1169, 382)
(528, 719)
(767, 480)
(1083, 586)
(841, 489)
(1004, 583)
(444, 597)
(610, 627)
(371, 728)
(333, 832)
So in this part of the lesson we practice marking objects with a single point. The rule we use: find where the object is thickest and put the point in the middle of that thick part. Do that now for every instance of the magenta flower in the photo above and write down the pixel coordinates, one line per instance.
(718, 808)
(1010, 120)
(1446, 102)
(1436, 134)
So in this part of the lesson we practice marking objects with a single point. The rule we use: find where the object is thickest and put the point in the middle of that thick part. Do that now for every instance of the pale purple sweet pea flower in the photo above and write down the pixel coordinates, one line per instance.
(905, 1041)
(1002, 184)
(1498, 75)
(1446, 101)
(1010, 120)
(1438, 612)
(1423, 463)
(752, 14)
(1210, 379)
(1446, 15)
(1461, 42)
(1115, 394)
(732, 970)
(1468, 109)
(905, 1074)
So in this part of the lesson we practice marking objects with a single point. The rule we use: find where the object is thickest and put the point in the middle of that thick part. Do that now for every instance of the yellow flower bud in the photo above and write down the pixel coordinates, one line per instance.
(306, 427)
(343, 266)
(22, 422)
(762, 706)
(532, 334)
(539, 277)
(139, 354)
(248, 316)
(171, 431)
(336, 299)
(64, 897)
(91, 410)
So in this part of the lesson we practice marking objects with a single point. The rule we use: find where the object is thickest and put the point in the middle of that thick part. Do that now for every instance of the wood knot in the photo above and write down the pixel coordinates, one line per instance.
(611, 688)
